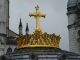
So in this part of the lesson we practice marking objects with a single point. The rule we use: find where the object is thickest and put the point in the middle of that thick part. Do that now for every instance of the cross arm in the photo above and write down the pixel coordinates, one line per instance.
(31, 14)
(42, 15)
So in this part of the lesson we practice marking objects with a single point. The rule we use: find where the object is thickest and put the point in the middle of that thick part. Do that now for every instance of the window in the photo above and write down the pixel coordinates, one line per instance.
(15, 49)
(9, 50)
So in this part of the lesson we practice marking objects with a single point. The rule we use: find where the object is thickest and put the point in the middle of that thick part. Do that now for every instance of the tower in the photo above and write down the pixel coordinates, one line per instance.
(4, 23)
(73, 13)
(27, 29)
(20, 28)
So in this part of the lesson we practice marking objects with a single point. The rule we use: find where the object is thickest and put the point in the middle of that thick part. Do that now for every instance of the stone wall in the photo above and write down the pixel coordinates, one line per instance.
(73, 27)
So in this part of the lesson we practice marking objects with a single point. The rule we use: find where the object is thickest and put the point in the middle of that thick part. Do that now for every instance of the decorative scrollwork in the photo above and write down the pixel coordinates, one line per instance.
(28, 40)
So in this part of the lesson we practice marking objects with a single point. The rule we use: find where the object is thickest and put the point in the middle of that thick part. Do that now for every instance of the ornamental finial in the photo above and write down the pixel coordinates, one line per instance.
(37, 7)
(38, 39)
(37, 15)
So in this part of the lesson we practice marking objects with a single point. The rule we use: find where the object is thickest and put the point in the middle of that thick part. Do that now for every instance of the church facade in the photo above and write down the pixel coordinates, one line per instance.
(7, 36)
(73, 13)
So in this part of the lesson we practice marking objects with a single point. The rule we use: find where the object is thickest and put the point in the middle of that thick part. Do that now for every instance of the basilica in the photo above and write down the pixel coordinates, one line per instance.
(39, 45)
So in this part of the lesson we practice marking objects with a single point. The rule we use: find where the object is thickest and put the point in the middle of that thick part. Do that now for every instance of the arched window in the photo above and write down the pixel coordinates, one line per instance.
(9, 50)
(33, 56)
(15, 49)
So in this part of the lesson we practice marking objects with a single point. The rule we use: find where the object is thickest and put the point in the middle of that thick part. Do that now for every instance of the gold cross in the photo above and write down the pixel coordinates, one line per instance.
(37, 15)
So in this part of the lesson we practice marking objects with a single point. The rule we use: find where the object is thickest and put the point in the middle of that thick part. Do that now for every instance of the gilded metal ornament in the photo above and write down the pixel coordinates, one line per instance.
(38, 39)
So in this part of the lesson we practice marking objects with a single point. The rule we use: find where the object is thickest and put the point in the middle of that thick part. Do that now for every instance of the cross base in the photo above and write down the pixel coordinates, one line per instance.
(37, 31)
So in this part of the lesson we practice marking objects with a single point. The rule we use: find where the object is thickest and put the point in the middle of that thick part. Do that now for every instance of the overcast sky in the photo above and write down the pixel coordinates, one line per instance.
(56, 20)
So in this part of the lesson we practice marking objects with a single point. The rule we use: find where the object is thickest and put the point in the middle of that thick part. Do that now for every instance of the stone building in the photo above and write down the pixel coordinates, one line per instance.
(73, 13)
(7, 36)
(38, 45)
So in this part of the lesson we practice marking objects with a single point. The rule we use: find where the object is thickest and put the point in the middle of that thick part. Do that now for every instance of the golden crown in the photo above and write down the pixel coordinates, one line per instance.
(38, 39)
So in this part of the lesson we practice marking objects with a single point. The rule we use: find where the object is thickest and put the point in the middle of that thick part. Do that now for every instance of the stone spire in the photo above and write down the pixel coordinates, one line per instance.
(20, 27)
(27, 29)
(20, 24)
